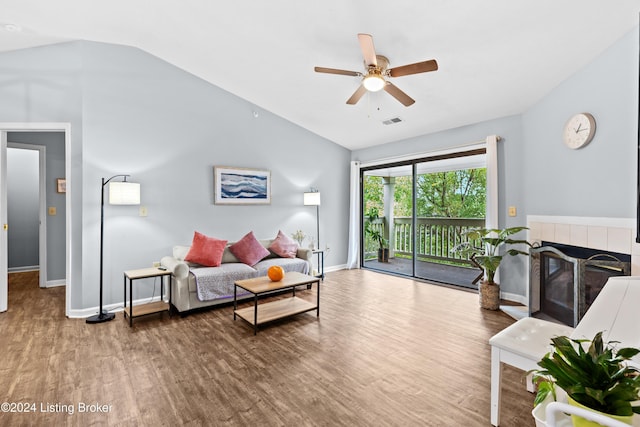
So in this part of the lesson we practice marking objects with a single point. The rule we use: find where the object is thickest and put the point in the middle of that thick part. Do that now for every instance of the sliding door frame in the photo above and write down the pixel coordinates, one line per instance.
(462, 152)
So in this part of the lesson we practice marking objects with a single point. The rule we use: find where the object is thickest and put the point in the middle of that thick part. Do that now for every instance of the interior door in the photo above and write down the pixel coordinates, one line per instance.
(3, 222)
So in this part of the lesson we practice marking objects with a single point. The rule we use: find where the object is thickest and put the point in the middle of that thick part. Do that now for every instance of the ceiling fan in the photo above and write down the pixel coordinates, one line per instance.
(376, 72)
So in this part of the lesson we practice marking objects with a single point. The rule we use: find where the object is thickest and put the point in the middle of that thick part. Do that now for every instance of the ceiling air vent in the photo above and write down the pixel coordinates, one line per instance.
(392, 121)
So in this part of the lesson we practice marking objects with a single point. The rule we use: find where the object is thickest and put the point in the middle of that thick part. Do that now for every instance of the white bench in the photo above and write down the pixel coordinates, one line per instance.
(616, 311)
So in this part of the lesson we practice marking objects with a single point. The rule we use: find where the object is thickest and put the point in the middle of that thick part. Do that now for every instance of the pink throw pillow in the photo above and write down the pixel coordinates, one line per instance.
(284, 246)
(249, 250)
(206, 250)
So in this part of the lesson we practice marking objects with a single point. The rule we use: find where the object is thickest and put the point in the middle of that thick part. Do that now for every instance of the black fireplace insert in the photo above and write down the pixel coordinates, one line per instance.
(565, 280)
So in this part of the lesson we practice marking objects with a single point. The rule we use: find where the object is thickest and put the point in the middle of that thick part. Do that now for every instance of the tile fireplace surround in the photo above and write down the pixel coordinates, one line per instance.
(610, 234)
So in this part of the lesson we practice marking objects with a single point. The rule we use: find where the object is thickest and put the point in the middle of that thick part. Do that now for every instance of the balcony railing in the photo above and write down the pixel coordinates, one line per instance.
(435, 238)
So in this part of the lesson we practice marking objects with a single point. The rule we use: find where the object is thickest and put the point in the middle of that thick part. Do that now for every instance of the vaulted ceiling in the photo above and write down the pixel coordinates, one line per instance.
(496, 58)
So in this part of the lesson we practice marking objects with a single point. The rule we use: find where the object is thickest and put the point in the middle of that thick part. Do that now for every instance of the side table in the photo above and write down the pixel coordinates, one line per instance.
(148, 308)
(320, 254)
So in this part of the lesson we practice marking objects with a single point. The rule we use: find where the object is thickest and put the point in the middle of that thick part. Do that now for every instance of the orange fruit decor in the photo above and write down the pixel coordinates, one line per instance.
(275, 273)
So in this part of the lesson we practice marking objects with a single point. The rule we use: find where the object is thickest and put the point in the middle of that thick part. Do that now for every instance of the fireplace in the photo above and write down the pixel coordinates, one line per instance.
(564, 280)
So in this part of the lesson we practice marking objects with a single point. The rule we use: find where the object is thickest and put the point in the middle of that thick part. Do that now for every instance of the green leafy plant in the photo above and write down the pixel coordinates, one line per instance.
(374, 232)
(484, 246)
(598, 378)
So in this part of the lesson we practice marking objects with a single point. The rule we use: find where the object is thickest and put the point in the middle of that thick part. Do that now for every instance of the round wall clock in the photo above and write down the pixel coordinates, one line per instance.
(579, 130)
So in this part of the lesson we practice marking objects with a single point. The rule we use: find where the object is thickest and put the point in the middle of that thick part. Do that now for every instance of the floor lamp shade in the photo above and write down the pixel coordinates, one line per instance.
(312, 199)
(124, 193)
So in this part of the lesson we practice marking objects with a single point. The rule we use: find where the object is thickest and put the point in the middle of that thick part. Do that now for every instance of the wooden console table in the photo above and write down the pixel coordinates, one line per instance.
(274, 310)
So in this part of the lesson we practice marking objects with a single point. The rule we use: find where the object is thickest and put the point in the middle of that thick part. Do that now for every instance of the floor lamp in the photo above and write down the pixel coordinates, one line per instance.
(312, 198)
(120, 193)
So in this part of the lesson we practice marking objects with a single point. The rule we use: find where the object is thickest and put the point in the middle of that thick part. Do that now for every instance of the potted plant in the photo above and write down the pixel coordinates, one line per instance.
(598, 378)
(298, 236)
(376, 235)
(483, 247)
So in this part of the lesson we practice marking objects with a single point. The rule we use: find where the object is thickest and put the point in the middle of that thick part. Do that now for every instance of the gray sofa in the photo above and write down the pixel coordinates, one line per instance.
(195, 286)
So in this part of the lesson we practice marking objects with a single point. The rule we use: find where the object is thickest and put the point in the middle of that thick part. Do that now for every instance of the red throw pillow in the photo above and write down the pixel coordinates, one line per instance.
(206, 250)
(284, 246)
(249, 250)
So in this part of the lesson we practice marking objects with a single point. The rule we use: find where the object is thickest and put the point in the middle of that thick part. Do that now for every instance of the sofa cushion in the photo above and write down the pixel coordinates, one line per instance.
(287, 264)
(206, 250)
(248, 250)
(218, 282)
(227, 256)
(284, 246)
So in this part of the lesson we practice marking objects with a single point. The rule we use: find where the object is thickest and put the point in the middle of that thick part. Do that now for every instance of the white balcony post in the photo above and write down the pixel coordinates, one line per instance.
(388, 200)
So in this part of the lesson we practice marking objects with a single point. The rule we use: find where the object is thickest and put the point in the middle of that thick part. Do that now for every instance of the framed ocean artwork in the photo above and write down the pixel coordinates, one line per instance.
(240, 186)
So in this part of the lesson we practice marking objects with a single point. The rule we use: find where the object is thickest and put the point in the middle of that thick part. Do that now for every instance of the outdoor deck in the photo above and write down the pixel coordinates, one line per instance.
(459, 276)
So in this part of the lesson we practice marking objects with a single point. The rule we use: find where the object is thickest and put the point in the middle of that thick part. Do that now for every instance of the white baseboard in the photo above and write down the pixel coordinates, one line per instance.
(514, 298)
(54, 283)
(24, 269)
(113, 308)
(335, 268)
(515, 311)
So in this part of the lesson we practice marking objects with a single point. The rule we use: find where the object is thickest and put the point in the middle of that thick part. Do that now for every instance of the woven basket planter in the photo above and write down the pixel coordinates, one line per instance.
(489, 295)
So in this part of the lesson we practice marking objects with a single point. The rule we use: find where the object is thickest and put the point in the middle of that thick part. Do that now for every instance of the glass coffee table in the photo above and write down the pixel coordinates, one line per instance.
(278, 309)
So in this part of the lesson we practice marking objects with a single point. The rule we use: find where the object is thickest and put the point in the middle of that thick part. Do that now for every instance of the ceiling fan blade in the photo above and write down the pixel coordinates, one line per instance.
(336, 71)
(394, 91)
(368, 51)
(418, 67)
(357, 95)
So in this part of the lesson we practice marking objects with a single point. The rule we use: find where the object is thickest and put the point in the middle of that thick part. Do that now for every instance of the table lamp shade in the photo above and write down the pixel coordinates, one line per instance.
(124, 193)
(312, 199)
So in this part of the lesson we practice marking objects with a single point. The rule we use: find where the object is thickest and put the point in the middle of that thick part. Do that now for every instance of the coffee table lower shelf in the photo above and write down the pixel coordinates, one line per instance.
(274, 310)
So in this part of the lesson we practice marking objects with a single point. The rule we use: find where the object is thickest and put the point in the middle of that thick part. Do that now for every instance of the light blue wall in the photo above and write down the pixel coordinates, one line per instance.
(598, 180)
(132, 113)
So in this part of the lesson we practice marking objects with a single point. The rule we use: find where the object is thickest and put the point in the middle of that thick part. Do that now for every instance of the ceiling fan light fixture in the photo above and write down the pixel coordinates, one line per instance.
(377, 70)
(373, 82)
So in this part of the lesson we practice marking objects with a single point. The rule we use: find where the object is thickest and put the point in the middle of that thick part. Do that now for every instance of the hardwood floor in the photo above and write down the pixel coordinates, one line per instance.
(385, 351)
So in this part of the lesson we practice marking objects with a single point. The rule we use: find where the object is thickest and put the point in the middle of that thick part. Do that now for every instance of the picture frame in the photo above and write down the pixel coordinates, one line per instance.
(241, 186)
(61, 185)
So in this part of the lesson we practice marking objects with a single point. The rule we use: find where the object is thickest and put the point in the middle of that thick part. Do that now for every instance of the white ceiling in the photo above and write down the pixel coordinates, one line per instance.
(496, 57)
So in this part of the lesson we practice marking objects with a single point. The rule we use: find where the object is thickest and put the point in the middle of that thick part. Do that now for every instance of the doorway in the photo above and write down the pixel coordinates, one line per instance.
(26, 205)
(64, 129)
(415, 212)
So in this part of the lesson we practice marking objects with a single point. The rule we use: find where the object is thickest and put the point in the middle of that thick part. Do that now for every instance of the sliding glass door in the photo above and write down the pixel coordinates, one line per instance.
(416, 212)
(388, 209)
